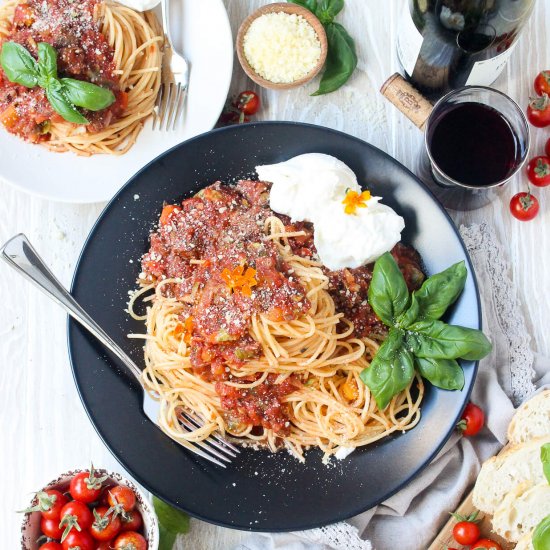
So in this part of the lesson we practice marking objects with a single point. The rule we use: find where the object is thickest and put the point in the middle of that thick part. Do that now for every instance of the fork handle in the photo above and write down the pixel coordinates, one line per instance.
(165, 8)
(21, 256)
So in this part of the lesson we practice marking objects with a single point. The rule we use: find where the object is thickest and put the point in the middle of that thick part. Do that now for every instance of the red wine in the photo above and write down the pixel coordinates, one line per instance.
(447, 44)
(474, 144)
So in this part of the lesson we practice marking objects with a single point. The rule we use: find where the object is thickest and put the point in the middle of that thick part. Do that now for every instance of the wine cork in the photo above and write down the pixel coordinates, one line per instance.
(407, 99)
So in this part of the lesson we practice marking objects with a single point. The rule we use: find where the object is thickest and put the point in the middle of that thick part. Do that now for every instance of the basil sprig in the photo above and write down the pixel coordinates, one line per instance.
(172, 523)
(64, 94)
(541, 534)
(545, 459)
(417, 338)
(341, 54)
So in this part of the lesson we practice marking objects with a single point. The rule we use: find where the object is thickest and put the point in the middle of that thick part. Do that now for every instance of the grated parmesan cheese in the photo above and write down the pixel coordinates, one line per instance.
(281, 47)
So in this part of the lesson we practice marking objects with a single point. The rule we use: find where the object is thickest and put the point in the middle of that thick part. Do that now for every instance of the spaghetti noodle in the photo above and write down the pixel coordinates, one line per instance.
(126, 59)
(308, 363)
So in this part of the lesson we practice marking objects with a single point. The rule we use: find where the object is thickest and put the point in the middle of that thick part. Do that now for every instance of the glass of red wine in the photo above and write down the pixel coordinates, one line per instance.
(477, 139)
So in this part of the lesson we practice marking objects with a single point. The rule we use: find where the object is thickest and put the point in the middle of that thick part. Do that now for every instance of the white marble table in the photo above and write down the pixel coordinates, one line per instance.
(44, 428)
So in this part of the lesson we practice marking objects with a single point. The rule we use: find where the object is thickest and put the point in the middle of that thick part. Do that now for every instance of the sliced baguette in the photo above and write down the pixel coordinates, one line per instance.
(522, 510)
(531, 420)
(503, 473)
(525, 542)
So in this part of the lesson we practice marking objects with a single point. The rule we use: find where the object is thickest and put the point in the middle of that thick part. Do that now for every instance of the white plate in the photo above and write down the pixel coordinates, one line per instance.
(202, 27)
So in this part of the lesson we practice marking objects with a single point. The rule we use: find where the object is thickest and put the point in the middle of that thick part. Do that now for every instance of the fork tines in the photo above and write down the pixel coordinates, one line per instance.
(169, 106)
(214, 445)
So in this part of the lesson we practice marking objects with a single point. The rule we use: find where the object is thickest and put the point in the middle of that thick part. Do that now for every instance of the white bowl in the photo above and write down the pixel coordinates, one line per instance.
(30, 530)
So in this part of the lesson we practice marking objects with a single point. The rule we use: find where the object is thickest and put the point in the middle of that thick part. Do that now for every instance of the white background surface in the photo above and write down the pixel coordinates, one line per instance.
(43, 425)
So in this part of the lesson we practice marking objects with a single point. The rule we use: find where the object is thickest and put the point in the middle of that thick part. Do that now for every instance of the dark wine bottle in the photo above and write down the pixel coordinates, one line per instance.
(447, 44)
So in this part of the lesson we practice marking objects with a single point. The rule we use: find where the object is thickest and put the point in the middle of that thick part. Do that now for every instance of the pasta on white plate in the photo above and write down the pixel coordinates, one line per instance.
(102, 42)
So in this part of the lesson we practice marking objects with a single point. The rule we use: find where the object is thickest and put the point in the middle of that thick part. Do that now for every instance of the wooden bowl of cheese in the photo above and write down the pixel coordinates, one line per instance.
(281, 46)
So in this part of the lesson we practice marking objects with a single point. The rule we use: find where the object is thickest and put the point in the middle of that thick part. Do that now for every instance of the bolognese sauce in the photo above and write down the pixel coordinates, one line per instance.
(215, 245)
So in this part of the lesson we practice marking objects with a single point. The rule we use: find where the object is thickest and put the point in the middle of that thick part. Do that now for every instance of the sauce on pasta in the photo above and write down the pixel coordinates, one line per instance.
(213, 253)
(83, 53)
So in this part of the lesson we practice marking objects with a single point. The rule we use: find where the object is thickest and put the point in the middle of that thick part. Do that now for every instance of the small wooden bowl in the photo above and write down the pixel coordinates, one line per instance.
(290, 9)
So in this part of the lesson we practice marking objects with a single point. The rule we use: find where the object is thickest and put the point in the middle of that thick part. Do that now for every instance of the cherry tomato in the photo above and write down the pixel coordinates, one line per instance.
(542, 83)
(538, 111)
(105, 527)
(76, 513)
(466, 532)
(130, 540)
(486, 544)
(123, 496)
(86, 487)
(134, 523)
(524, 206)
(247, 102)
(547, 148)
(79, 539)
(471, 421)
(232, 117)
(50, 527)
(538, 171)
(104, 498)
(51, 546)
(49, 504)
(107, 545)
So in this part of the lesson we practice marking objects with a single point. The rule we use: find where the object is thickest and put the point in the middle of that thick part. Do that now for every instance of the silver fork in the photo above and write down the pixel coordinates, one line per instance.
(171, 97)
(19, 254)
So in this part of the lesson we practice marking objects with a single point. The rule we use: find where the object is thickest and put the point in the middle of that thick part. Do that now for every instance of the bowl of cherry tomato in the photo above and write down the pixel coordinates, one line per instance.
(90, 510)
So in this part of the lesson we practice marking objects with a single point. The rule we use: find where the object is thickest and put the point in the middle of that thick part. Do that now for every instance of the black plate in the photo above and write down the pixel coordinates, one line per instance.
(259, 491)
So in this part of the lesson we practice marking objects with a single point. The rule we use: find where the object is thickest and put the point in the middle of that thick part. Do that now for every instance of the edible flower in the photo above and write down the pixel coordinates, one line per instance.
(239, 279)
(355, 200)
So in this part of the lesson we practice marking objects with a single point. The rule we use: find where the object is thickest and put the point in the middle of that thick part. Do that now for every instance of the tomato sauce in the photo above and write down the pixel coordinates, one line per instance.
(212, 234)
(83, 53)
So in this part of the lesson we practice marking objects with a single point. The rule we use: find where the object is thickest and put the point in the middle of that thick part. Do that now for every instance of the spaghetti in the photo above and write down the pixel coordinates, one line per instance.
(103, 42)
(296, 382)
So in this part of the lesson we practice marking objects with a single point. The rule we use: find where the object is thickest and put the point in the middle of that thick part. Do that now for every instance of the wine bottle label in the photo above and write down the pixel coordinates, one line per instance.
(409, 42)
(484, 73)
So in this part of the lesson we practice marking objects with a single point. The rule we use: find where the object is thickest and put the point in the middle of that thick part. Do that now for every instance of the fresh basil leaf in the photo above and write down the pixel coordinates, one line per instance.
(440, 291)
(64, 107)
(391, 370)
(87, 95)
(545, 459)
(388, 293)
(311, 5)
(19, 65)
(167, 539)
(327, 10)
(341, 59)
(411, 314)
(47, 62)
(541, 535)
(436, 340)
(446, 374)
(171, 519)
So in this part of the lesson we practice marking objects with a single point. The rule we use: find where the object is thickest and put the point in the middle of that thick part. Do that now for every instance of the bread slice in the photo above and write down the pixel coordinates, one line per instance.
(532, 419)
(522, 510)
(503, 473)
(525, 542)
